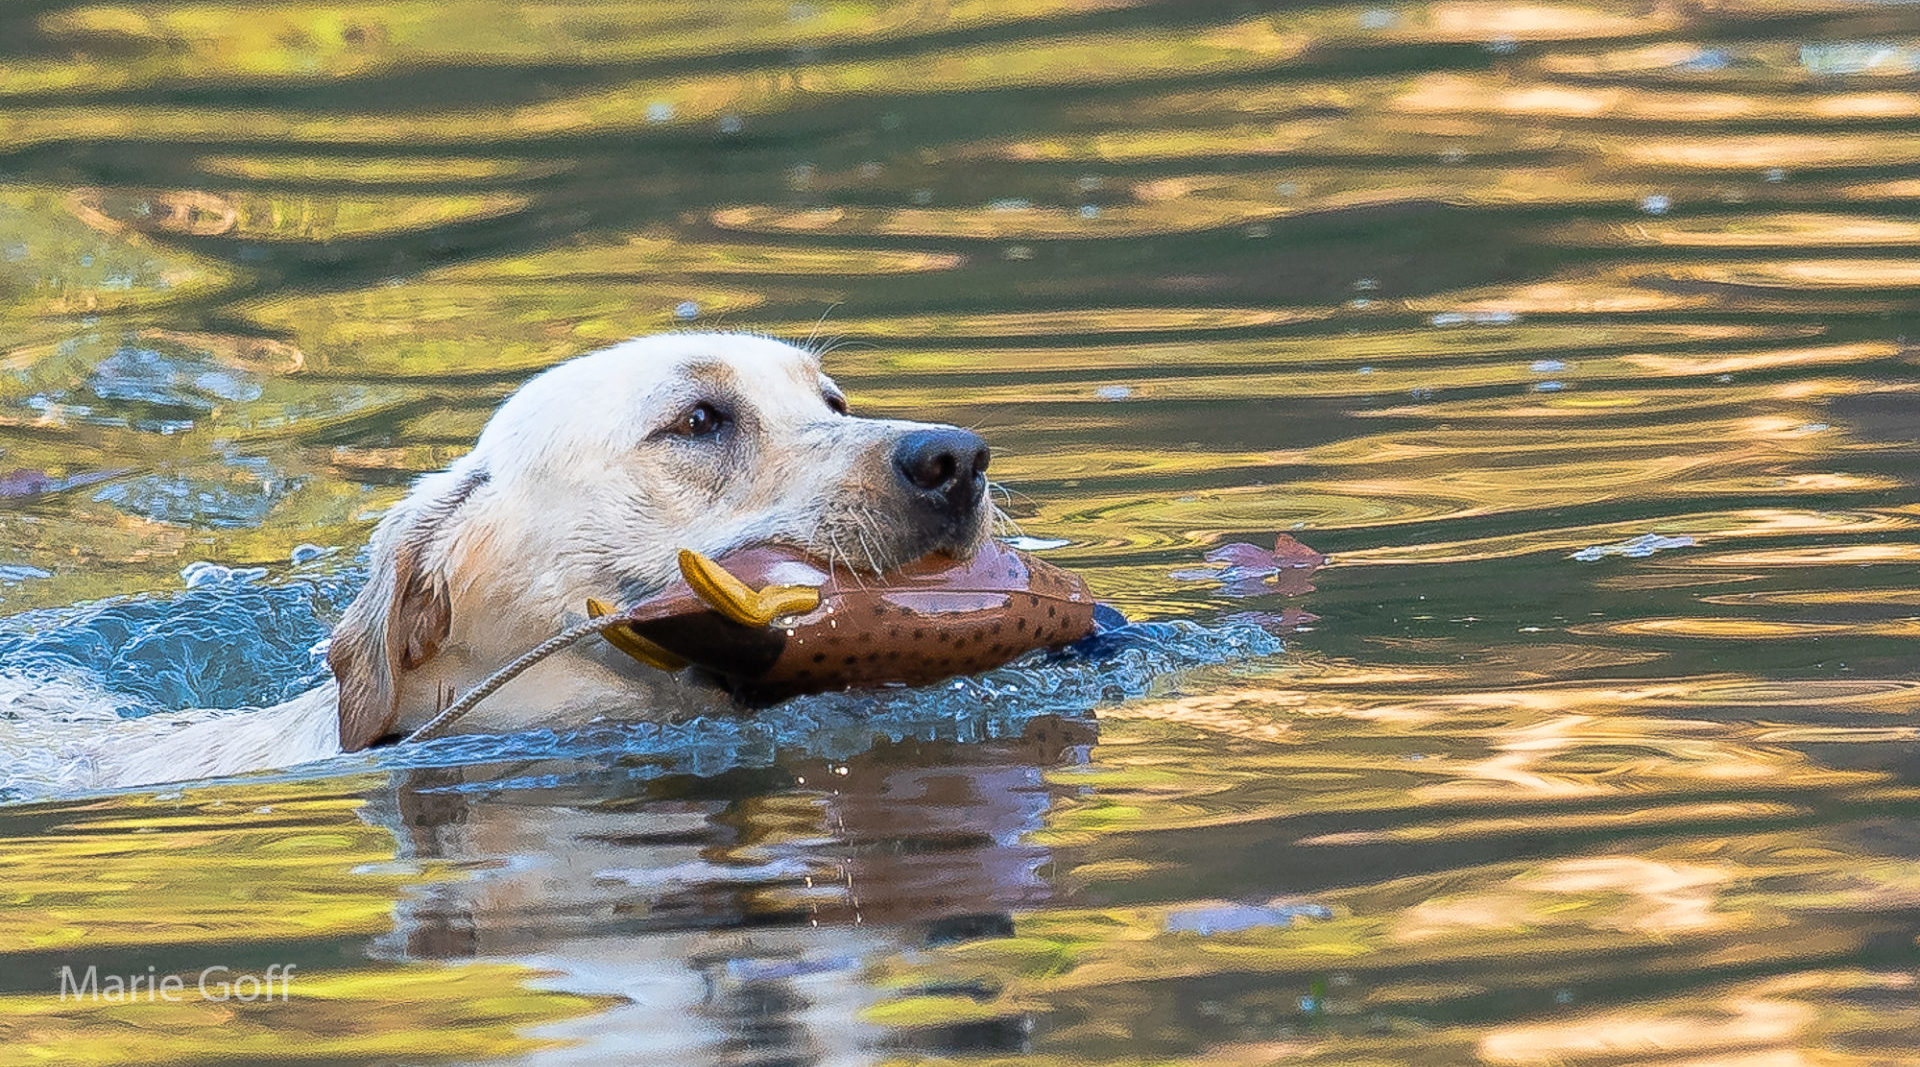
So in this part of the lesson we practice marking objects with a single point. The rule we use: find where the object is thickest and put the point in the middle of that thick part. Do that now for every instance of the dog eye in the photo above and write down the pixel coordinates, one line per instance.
(836, 402)
(701, 420)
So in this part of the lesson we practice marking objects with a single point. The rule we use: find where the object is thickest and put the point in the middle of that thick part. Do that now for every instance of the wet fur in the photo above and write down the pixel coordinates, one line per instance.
(576, 487)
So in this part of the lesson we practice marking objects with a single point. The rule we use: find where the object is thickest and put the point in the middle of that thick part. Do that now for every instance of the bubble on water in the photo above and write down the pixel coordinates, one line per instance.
(307, 553)
(1473, 318)
(1638, 548)
(1009, 203)
(1503, 45)
(1656, 204)
(1706, 61)
(1210, 919)
(1377, 18)
(1775, 174)
(1113, 392)
(923, 197)
(203, 573)
(14, 573)
(1035, 544)
(731, 124)
(1089, 211)
(1549, 386)
(660, 111)
(686, 310)
(1845, 58)
(1547, 366)
(200, 572)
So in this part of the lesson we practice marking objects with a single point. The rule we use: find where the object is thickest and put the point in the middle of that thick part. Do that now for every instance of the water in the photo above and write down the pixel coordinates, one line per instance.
(1579, 336)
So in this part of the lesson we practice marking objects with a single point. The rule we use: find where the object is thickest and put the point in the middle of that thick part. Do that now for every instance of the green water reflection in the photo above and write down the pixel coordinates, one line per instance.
(1451, 290)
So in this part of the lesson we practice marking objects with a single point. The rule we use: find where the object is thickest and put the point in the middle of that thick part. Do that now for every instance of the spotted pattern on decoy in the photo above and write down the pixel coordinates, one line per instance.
(929, 620)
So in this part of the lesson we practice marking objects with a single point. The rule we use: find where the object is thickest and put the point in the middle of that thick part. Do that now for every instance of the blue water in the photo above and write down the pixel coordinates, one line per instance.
(1582, 334)
(234, 639)
(232, 643)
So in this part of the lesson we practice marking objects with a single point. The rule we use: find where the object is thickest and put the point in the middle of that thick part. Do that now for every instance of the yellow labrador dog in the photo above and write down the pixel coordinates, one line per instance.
(585, 483)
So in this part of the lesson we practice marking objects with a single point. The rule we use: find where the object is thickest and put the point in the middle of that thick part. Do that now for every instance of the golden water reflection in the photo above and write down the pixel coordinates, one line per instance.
(1580, 338)
(220, 875)
(1671, 844)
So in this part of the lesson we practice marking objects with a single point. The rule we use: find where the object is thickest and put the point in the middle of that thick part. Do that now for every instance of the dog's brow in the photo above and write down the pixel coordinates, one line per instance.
(710, 373)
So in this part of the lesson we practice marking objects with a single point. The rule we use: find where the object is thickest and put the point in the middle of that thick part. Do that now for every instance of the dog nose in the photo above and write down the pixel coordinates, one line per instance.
(947, 462)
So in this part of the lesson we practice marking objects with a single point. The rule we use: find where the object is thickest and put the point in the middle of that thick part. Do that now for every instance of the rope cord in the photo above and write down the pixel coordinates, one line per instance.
(558, 642)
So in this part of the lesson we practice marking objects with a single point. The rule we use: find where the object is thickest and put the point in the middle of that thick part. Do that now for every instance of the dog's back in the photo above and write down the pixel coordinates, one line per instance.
(63, 738)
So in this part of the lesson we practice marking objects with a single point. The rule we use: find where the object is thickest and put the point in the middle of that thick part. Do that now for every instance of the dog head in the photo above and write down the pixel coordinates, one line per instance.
(590, 479)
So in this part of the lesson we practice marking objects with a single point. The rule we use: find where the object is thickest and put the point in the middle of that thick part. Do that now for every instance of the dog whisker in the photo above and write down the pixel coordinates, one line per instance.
(873, 518)
(822, 321)
(860, 533)
(847, 558)
(1004, 521)
(999, 515)
(1009, 493)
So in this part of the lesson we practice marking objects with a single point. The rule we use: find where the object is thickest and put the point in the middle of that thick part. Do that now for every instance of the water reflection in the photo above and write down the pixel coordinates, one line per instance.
(1468, 295)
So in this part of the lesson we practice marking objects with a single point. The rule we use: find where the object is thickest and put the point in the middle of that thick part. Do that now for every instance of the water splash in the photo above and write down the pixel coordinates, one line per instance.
(238, 642)
(1121, 663)
(219, 644)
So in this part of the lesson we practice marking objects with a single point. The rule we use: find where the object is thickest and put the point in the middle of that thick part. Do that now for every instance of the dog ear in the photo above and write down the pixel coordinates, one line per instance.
(399, 621)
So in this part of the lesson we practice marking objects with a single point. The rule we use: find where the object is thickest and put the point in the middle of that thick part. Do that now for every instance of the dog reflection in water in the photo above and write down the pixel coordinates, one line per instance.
(739, 912)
